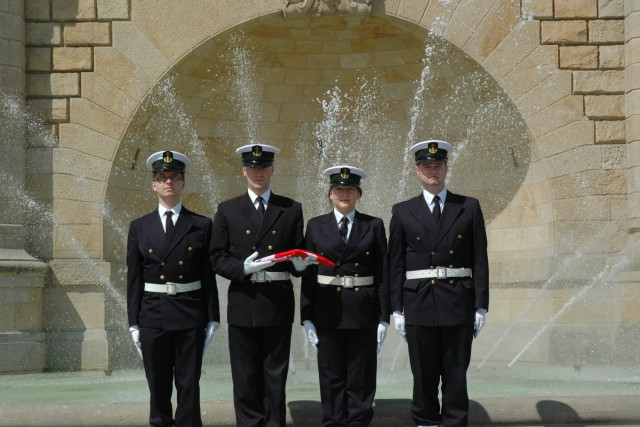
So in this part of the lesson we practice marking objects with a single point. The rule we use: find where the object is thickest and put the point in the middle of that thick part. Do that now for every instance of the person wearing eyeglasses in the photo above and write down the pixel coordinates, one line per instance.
(345, 308)
(172, 295)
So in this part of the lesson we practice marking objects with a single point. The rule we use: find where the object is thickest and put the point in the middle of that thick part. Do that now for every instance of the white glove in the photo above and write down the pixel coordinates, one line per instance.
(208, 334)
(250, 266)
(398, 320)
(300, 263)
(382, 334)
(481, 319)
(312, 335)
(135, 334)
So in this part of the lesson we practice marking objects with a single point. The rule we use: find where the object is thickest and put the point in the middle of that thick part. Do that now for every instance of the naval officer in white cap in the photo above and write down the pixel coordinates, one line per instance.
(172, 297)
(260, 306)
(439, 276)
(345, 308)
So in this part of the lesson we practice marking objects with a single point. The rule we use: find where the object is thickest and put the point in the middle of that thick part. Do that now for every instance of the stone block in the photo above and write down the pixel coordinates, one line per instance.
(87, 34)
(580, 159)
(69, 187)
(50, 110)
(386, 59)
(537, 9)
(356, 60)
(72, 59)
(464, 22)
(606, 31)
(16, 54)
(544, 94)
(96, 117)
(499, 22)
(632, 26)
(597, 208)
(322, 61)
(278, 131)
(592, 182)
(117, 69)
(611, 57)
(558, 115)
(38, 58)
(614, 156)
(610, 8)
(111, 10)
(85, 166)
(73, 10)
(77, 241)
(332, 47)
(578, 57)
(95, 88)
(610, 132)
(43, 34)
(282, 93)
(575, 9)
(632, 101)
(604, 107)
(37, 10)
(632, 130)
(563, 32)
(53, 84)
(632, 78)
(598, 82)
(5, 58)
(150, 57)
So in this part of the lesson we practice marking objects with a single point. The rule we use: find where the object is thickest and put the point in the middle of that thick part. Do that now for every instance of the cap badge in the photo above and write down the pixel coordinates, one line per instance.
(257, 151)
(167, 157)
(344, 173)
(433, 148)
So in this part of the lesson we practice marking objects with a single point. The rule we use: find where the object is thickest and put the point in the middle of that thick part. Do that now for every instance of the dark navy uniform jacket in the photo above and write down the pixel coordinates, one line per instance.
(365, 254)
(238, 231)
(183, 259)
(417, 243)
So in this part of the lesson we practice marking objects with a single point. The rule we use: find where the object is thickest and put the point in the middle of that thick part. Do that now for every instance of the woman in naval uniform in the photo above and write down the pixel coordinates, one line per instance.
(345, 308)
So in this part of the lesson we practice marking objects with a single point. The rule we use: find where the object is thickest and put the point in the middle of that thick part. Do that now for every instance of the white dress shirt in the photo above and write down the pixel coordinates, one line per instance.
(265, 198)
(428, 197)
(174, 217)
(350, 216)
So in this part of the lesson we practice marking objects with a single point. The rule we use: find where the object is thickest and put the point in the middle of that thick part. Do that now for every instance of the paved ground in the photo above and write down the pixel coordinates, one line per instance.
(526, 395)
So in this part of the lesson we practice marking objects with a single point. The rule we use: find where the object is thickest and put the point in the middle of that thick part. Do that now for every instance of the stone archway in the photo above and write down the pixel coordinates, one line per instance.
(540, 55)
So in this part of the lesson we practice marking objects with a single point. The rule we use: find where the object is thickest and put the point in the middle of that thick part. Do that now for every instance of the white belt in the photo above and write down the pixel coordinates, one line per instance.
(346, 281)
(172, 288)
(439, 273)
(269, 276)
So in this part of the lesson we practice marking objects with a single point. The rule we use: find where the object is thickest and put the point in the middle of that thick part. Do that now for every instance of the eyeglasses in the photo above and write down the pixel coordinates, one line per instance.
(164, 178)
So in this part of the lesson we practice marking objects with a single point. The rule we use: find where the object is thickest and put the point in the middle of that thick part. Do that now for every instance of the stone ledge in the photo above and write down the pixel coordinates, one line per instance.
(531, 411)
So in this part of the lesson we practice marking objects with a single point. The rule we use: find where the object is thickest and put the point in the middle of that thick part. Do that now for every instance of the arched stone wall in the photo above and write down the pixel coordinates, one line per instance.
(540, 54)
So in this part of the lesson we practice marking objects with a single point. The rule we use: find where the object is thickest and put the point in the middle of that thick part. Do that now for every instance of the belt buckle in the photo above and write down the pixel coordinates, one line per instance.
(347, 282)
(171, 288)
(441, 272)
(260, 276)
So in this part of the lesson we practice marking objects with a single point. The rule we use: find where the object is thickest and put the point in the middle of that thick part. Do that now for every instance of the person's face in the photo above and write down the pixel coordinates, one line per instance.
(344, 198)
(432, 175)
(168, 184)
(258, 178)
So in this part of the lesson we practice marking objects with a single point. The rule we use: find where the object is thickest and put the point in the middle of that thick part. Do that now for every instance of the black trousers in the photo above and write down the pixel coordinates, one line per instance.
(435, 353)
(163, 354)
(347, 371)
(259, 368)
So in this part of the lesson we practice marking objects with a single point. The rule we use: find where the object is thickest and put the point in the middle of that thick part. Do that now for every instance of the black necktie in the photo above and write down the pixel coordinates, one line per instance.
(343, 228)
(436, 209)
(169, 224)
(260, 205)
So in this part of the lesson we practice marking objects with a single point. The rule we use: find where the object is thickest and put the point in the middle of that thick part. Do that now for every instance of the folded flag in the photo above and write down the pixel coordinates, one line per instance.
(286, 255)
